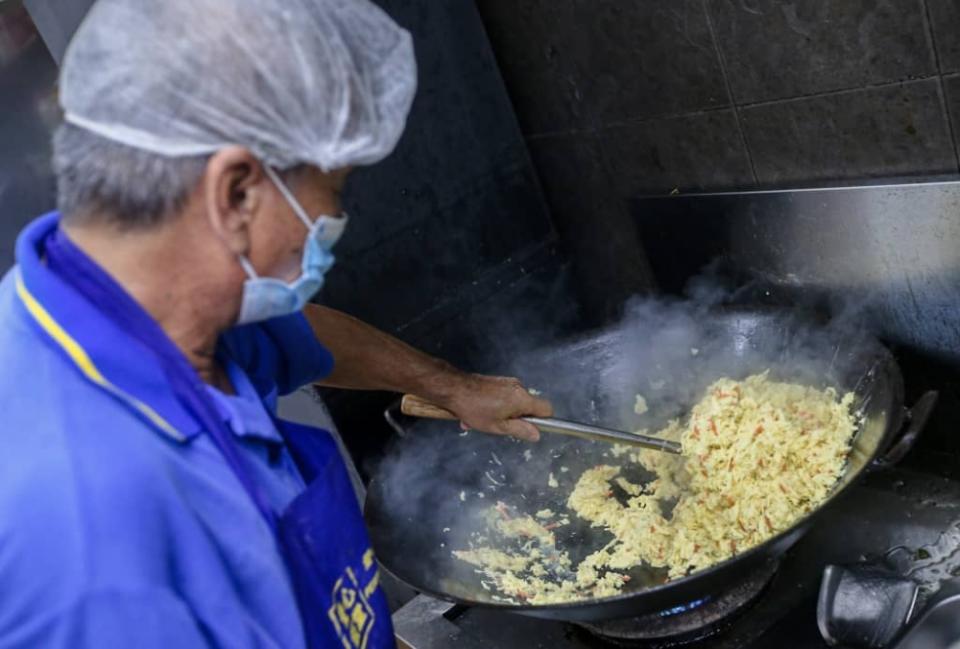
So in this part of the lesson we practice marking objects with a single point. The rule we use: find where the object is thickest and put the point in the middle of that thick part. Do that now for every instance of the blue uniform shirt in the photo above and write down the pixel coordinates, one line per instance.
(120, 523)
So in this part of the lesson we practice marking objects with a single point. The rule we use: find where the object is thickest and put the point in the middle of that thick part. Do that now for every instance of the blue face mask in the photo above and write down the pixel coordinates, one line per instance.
(267, 297)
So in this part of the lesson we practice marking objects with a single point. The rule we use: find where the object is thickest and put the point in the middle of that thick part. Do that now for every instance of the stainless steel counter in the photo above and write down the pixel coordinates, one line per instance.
(889, 252)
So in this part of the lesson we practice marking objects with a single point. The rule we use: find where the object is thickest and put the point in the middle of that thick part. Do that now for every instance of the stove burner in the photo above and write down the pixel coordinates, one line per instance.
(685, 608)
(687, 623)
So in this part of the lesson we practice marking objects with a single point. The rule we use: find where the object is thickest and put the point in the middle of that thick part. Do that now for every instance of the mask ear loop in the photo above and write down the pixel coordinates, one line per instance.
(288, 195)
(247, 267)
(294, 204)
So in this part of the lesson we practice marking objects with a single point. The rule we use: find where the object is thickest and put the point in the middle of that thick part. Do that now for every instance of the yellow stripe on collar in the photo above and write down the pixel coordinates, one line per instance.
(83, 361)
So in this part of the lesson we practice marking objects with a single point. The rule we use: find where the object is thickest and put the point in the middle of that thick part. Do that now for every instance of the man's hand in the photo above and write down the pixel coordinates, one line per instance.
(492, 404)
(369, 359)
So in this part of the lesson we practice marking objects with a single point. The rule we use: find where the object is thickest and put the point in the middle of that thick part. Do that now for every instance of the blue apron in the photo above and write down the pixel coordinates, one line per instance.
(321, 534)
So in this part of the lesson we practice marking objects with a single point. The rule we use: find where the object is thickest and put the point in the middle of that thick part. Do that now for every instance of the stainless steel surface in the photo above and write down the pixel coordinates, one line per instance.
(599, 434)
(422, 623)
(892, 251)
(866, 237)
(429, 623)
(939, 624)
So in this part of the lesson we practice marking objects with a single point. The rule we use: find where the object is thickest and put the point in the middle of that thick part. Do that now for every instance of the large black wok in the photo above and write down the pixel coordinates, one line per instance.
(425, 502)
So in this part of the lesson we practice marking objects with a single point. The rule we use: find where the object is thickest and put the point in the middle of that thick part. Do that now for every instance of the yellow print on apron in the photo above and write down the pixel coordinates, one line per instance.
(351, 613)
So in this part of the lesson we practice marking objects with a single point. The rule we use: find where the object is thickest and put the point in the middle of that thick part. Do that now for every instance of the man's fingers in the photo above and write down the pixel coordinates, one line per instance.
(520, 429)
(541, 408)
(494, 404)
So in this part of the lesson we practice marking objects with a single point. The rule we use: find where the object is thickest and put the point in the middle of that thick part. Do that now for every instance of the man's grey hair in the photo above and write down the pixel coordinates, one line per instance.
(100, 178)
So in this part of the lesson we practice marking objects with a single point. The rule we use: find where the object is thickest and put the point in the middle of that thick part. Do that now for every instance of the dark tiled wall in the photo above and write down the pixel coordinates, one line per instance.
(697, 94)
(451, 245)
(457, 210)
(624, 97)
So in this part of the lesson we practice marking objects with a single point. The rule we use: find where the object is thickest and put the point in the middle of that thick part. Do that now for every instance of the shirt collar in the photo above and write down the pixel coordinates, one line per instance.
(244, 412)
(101, 350)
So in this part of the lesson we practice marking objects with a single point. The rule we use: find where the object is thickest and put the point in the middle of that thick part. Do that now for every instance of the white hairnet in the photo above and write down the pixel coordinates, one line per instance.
(324, 82)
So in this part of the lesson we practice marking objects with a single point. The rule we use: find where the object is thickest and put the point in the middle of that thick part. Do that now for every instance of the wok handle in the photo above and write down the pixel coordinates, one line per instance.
(915, 419)
(413, 406)
(397, 420)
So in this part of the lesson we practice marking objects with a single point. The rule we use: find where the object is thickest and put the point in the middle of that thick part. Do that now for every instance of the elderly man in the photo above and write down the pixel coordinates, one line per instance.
(149, 497)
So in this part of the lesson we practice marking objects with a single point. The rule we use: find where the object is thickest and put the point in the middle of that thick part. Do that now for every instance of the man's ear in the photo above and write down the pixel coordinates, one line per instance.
(233, 193)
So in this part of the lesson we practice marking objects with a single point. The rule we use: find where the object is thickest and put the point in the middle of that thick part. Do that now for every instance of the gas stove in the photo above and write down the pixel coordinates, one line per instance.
(690, 622)
(911, 517)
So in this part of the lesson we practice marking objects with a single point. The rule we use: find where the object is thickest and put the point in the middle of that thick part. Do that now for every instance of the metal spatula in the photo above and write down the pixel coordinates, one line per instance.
(414, 406)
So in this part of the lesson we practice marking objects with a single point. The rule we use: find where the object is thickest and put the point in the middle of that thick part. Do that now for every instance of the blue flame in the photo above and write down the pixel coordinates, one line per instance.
(683, 608)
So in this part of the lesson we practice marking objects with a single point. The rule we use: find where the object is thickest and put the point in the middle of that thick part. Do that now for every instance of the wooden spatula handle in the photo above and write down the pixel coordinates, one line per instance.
(415, 406)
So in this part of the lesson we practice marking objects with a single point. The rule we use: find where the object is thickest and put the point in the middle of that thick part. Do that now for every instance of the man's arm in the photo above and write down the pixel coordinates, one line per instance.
(369, 359)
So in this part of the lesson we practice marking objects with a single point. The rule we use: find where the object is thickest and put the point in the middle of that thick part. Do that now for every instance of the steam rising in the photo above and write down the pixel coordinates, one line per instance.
(669, 351)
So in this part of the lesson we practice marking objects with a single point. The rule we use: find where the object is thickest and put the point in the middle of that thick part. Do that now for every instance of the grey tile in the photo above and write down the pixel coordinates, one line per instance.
(389, 198)
(895, 130)
(461, 131)
(692, 152)
(596, 231)
(641, 59)
(945, 21)
(574, 63)
(529, 310)
(457, 197)
(532, 41)
(784, 48)
(406, 274)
